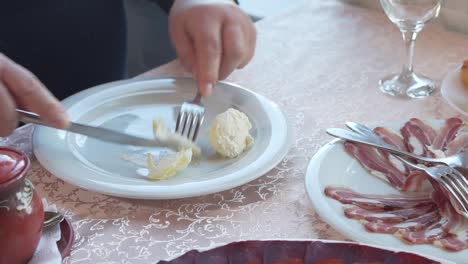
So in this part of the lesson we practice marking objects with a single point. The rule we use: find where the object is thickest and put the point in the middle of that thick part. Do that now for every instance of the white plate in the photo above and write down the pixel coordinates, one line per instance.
(131, 107)
(331, 165)
(454, 92)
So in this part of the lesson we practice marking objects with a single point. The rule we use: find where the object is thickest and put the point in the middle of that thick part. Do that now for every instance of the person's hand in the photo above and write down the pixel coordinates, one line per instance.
(19, 88)
(212, 38)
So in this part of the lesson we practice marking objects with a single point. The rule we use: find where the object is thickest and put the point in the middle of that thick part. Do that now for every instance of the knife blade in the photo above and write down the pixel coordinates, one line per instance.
(99, 133)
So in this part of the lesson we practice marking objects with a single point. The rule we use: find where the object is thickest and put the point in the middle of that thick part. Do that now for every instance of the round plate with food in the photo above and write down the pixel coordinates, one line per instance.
(370, 197)
(160, 173)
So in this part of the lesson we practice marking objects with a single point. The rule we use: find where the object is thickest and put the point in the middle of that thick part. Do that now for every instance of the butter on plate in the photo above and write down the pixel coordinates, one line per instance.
(229, 133)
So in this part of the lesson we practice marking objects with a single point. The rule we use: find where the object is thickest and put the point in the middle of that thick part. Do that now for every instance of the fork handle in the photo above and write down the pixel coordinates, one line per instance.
(197, 98)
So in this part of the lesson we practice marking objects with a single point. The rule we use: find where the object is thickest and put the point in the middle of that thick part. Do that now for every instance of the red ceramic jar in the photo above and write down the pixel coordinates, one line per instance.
(21, 211)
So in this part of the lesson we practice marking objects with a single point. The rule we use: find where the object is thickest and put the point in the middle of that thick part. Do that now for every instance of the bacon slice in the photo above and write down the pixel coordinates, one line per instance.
(414, 224)
(429, 235)
(393, 216)
(450, 222)
(395, 140)
(447, 133)
(381, 166)
(418, 136)
(376, 164)
(416, 181)
(459, 143)
(453, 242)
(391, 138)
(458, 223)
(375, 201)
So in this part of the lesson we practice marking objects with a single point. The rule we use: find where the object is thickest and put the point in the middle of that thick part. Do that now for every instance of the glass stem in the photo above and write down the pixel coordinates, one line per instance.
(409, 38)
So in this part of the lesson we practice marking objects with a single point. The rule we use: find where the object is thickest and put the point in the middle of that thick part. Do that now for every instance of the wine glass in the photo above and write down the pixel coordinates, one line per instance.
(410, 16)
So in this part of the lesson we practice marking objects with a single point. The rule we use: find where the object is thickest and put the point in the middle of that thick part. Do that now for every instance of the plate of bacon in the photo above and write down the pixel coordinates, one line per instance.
(295, 252)
(371, 197)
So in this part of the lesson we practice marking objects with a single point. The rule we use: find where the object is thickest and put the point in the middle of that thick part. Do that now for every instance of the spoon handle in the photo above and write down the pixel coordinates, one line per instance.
(51, 219)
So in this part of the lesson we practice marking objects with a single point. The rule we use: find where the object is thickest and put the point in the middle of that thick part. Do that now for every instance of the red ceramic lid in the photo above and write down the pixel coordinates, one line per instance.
(12, 163)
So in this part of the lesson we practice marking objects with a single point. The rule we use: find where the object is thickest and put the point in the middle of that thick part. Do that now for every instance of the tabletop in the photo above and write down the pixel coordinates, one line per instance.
(321, 64)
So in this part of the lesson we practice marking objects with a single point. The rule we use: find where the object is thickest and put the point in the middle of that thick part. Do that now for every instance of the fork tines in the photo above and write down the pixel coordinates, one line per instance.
(189, 120)
(457, 184)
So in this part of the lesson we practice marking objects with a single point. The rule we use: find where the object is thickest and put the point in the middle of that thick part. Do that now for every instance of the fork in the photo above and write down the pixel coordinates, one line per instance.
(458, 161)
(369, 137)
(190, 118)
(450, 179)
(363, 135)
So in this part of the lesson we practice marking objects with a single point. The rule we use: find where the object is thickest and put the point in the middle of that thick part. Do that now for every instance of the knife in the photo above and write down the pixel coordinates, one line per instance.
(103, 134)
(370, 141)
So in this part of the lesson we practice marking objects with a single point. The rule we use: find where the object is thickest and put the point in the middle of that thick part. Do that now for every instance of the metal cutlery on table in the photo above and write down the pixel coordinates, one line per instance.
(459, 161)
(51, 219)
(448, 176)
(190, 118)
(450, 179)
(94, 132)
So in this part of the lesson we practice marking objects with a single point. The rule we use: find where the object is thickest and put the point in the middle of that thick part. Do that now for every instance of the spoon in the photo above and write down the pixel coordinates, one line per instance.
(51, 219)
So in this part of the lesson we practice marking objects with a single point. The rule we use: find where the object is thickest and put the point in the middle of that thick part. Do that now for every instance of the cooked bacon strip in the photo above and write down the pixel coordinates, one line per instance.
(447, 133)
(458, 223)
(395, 140)
(394, 216)
(414, 224)
(450, 222)
(416, 181)
(429, 235)
(391, 138)
(375, 201)
(376, 164)
(459, 143)
(396, 162)
(453, 243)
(381, 167)
(418, 136)
(441, 197)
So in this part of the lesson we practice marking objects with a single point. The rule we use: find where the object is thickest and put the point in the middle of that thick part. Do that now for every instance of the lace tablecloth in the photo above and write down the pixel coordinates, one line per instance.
(321, 64)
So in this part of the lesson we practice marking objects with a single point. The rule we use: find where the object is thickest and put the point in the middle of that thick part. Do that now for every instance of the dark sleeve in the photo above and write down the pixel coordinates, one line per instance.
(167, 4)
(164, 4)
